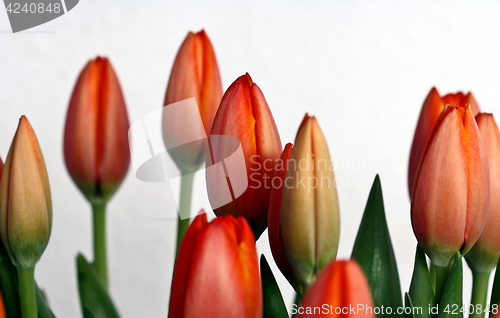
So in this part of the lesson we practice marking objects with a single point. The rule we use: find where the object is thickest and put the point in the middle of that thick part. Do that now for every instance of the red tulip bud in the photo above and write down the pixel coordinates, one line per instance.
(341, 289)
(244, 113)
(433, 105)
(451, 191)
(96, 147)
(195, 74)
(484, 254)
(216, 273)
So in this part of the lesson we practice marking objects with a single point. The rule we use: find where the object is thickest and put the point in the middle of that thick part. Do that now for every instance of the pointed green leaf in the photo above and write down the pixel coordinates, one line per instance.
(42, 305)
(87, 313)
(408, 304)
(421, 291)
(8, 287)
(373, 251)
(495, 294)
(274, 307)
(451, 305)
(92, 291)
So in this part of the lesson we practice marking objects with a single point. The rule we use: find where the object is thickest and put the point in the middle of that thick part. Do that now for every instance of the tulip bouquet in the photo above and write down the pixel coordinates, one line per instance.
(254, 184)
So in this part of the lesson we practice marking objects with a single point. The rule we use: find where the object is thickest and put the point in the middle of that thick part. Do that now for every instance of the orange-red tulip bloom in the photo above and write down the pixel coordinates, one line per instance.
(484, 254)
(216, 273)
(433, 105)
(451, 192)
(96, 147)
(195, 73)
(25, 201)
(341, 286)
(244, 113)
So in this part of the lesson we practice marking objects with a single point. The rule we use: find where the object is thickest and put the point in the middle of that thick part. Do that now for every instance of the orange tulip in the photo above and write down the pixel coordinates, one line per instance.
(451, 192)
(194, 74)
(244, 113)
(433, 105)
(341, 289)
(96, 147)
(484, 254)
(309, 213)
(25, 201)
(216, 273)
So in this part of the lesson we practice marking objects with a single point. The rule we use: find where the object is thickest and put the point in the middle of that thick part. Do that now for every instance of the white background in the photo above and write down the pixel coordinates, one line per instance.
(362, 68)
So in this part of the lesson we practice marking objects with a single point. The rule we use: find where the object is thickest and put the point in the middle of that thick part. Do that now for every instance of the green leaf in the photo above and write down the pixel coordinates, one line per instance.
(92, 291)
(87, 313)
(274, 307)
(421, 290)
(42, 305)
(408, 304)
(451, 305)
(8, 287)
(373, 251)
(495, 294)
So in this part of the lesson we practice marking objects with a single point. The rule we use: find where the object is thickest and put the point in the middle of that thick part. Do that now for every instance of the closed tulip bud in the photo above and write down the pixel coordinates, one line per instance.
(451, 191)
(194, 74)
(96, 147)
(25, 202)
(216, 273)
(273, 223)
(309, 213)
(484, 254)
(433, 105)
(341, 285)
(244, 113)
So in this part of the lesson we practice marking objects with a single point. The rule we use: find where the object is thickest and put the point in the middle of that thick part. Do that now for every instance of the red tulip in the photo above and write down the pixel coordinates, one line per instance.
(216, 273)
(194, 74)
(25, 200)
(340, 287)
(451, 192)
(484, 254)
(273, 221)
(96, 147)
(433, 105)
(244, 113)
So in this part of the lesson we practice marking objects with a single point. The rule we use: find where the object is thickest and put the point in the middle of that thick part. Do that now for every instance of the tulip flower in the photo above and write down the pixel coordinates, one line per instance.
(194, 74)
(433, 105)
(450, 195)
(96, 147)
(341, 285)
(25, 210)
(309, 213)
(273, 223)
(483, 256)
(216, 273)
(244, 113)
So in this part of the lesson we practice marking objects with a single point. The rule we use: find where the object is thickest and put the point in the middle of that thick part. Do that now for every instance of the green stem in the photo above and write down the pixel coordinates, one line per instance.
(100, 254)
(479, 293)
(442, 274)
(27, 291)
(184, 207)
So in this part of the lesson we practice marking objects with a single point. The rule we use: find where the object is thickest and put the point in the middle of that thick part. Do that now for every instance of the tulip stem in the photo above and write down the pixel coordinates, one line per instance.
(442, 273)
(184, 207)
(27, 291)
(100, 254)
(479, 293)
